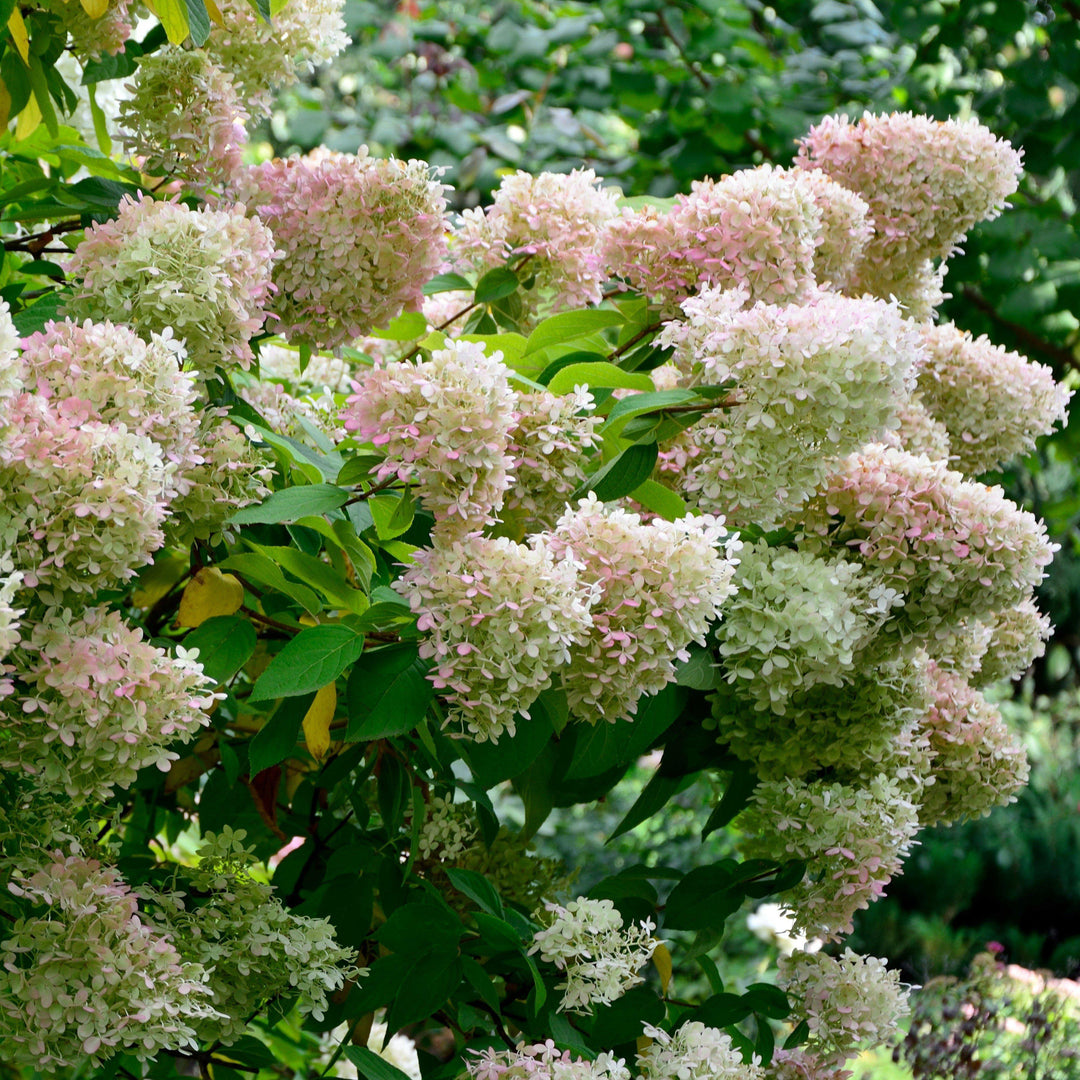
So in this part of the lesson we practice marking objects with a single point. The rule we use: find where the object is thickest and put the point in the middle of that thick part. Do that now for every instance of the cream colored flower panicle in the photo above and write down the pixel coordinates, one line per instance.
(694, 1052)
(543, 1061)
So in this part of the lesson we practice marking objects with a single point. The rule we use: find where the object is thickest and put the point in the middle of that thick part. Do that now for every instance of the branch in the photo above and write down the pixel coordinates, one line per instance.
(35, 243)
(1062, 356)
(691, 65)
(644, 332)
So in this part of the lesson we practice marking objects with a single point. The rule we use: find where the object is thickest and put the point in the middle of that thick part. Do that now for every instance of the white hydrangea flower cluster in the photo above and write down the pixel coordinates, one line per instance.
(586, 940)
(1016, 638)
(918, 431)
(812, 381)
(993, 402)
(848, 1002)
(444, 423)
(661, 585)
(10, 372)
(694, 1052)
(845, 228)
(543, 1061)
(502, 618)
(775, 925)
(447, 832)
(90, 975)
(10, 582)
(98, 703)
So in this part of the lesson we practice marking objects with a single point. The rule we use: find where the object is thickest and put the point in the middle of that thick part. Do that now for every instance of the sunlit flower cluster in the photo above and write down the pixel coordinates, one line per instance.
(586, 940)
(918, 432)
(203, 273)
(10, 635)
(90, 37)
(661, 585)
(845, 228)
(694, 1052)
(543, 1062)
(773, 924)
(360, 237)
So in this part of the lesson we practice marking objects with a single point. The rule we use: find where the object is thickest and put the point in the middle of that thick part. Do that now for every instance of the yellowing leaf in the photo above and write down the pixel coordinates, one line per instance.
(215, 13)
(21, 39)
(209, 593)
(29, 119)
(5, 106)
(173, 16)
(317, 721)
(95, 8)
(661, 957)
(643, 1043)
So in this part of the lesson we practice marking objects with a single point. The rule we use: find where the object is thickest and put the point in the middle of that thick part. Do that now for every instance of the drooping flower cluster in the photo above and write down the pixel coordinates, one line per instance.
(360, 236)
(586, 940)
(502, 619)
(90, 975)
(203, 273)
(660, 586)
(848, 1002)
(98, 703)
(994, 403)
(694, 1052)
(92, 35)
(544, 1062)
(444, 423)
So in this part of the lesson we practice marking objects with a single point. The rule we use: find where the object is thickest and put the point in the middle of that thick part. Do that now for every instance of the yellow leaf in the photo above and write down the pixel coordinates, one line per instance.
(21, 39)
(5, 107)
(215, 13)
(95, 8)
(661, 957)
(317, 722)
(643, 1043)
(173, 16)
(29, 119)
(155, 581)
(209, 593)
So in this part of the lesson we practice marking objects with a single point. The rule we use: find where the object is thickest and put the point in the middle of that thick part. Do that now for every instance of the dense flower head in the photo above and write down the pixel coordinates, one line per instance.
(849, 1001)
(81, 501)
(444, 423)
(812, 382)
(360, 237)
(10, 365)
(845, 228)
(805, 1064)
(91, 36)
(994, 403)
(918, 432)
(551, 436)
(926, 181)
(853, 840)
(10, 635)
(543, 1061)
(203, 273)
(501, 619)
(1017, 637)
(89, 976)
(184, 117)
(660, 586)
(262, 57)
(586, 940)
(978, 763)
(96, 703)
(694, 1052)
(448, 830)
(555, 219)
(955, 548)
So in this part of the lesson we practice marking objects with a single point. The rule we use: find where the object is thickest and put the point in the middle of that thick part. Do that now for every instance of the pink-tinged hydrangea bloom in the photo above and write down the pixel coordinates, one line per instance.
(97, 703)
(90, 37)
(184, 117)
(543, 1062)
(556, 219)
(853, 840)
(9, 614)
(360, 238)
(203, 273)
(289, 415)
(90, 977)
(1017, 637)
(126, 381)
(694, 1052)
(955, 548)
(263, 57)
(501, 619)
(849, 1002)
(845, 228)
(926, 181)
(10, 365)
(661, 586)
(81, 502)
(444, 424)
(551, 436)
(978, 763)
(811, 382)
(805, 1064)
(919, 432)
(586, 940)
(755, 229)
(993, 402)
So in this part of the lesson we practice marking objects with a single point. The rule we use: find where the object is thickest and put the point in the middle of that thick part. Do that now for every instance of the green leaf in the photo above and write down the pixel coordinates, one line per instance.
(419, 928)
(700, 672)
(357, 468)
(736, 798)
(313, 571)
(429, 984)
(624, 473)
(292, 503)
(263, 571)
(276, 739)
(640, 404)
(496, 284)
(392, 514)
(510, 345)
(198, 21)
(447, 283)
(497, 935)
(481, 982)
(703, 898)
(722, 1010)
(247, 1050)
(405, 327)
(491, 762)
(49, 308)
(654, 796)
(660, 500)
(388, 693)
(598, 373)
(768, 1000)
(569, 326)
(370, 1065)
(225, 644)
(620, 1022)
(477, 888)
(799, 1034)
(394, 791)
(312, 660)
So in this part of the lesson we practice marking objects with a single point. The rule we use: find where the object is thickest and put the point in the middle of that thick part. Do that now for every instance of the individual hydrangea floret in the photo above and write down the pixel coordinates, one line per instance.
(360, 236)
(501, 618)
(184, 117)
(158, 265)
(444, 424)
(849, 1002)
(543, 1061)
(97, 703)
(660, 587)
(90, 977)
(994, 403)
(853, 840)
(694, 1052)
(586, 940)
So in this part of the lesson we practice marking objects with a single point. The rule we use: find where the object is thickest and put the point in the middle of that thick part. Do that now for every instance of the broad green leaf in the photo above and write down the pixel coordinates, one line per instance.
(660, 500)
(388, 693)
(481, 982)
(371, 1066)
(598, 373)
(512, 754)
(477, 888)
(292, 503)
(511, 345)
(704, 898)
(569, 326)
(407, 326)
(624, 473)
(198, 21)
(700, 672)
(315, 657)
(620, 1022)
(654, 796)
(447, 283)
(767, 999)
(263, 571)
(639, 404)
(173, 15)
(735, 799)
(496, 284)
(320, 575)
(392, 514)
(276, 739)
(419, 928)
(225, 645)
(722, 1010)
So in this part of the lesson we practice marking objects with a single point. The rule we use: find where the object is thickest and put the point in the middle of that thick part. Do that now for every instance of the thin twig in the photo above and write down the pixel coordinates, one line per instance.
(645, 332)
(382, 485)
(691, 65)
(267, 621)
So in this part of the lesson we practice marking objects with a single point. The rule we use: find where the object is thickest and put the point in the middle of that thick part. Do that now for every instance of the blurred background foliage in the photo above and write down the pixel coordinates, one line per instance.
(654, 96)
